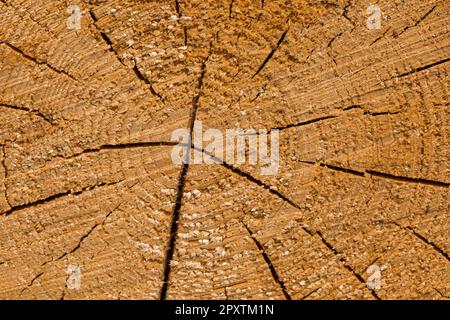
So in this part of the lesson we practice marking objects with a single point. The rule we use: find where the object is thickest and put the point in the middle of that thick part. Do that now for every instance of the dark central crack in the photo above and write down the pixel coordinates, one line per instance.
(182, 183)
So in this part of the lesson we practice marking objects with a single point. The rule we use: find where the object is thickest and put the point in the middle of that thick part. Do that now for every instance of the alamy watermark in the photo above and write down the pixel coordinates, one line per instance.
(73, 281)
(234, 146)
(74, 21)
(374, 280)
(374, 19)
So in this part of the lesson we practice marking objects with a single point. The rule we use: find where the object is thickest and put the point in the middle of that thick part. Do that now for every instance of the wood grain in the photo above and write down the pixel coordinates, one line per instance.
(87, 179)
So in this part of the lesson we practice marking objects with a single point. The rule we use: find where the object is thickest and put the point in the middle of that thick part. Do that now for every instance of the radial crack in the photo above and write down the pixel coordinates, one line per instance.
(441, 294)
(121, 146)
(269, 263)
(345, 13)
(5, 179)
(381, 113)
(88, 233)
(144, 79)
(177, 8)
(286, 199)
(181, 184)
(425, 67)
(135, 69)
(434, 183)
(272, 52)
(328, 117)
(330, 43)
(304, 123)
(32, 281)
(51, 198)
(341, 169)
(378, 174)
(35, 60)
(248, 176)
(425, 240)
(230, 9)
(309, 294)
(30, 110)
(105, 37)
(418, 21)
(345, 264)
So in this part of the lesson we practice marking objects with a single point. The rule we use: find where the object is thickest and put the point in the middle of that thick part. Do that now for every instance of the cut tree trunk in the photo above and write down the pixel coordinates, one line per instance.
(92, 205)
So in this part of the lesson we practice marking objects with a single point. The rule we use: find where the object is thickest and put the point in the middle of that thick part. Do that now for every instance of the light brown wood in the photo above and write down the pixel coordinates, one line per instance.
(87, 181)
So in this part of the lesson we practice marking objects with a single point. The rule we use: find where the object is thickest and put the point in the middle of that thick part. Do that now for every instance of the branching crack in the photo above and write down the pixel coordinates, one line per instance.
(269, 263)
(319, 233)
(272, 52)
(185, 166)
(83, 238)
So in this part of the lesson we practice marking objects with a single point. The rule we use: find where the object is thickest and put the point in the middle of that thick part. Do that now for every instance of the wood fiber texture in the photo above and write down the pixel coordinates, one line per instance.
(86, 175)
